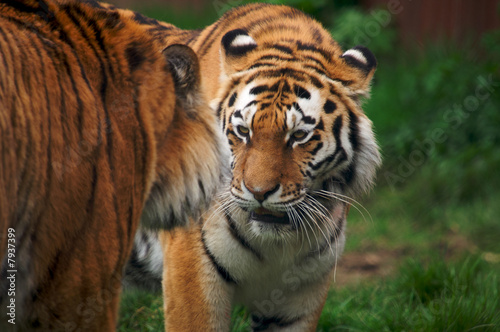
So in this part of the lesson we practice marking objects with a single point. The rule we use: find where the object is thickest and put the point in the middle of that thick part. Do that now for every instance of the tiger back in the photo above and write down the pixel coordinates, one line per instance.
(98, 127)
(301, 150)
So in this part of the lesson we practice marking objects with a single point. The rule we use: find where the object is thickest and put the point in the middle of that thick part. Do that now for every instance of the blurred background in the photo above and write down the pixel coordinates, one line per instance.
(423, 249)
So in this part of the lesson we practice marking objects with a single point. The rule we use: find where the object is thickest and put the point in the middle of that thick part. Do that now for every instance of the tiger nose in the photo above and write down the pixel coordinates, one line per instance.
(262, 193)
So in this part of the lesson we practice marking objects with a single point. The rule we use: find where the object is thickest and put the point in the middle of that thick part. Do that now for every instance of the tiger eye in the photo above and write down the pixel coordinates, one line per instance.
(243, 130)
(299, 134)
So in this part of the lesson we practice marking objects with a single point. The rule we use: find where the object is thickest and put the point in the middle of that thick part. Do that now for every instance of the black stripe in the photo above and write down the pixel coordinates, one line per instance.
(223, 100)
(316, 82)
(353, 130)
(98, 36)
(5, 67)
(276, 58)
(279, 73)
(52, 54)
(237, 114)
(349, 173)
(313, 48)
(308, 120)
(130, 223)
(330, 158)
(113, 21)
(95, 4)
(76, 94)
(337, 126)
(223, 120)
(141, 19)
(238, 237)
(220, 269)
(232, 99)
(259, 89)
(48, 181)
(85, 36)
(289, 72)
(283, 48)
(301, 92)
(272, 27)
(54, 262)
(21, 7)
(253, 102)
(316, 69)
(240, 50)
(219, 109)
(144, 150)
(144, 136)
(260, 64)
(264, 105)
(209, 39)
(286, 87)
(262, 323)
(24, 185)
(317, 148)
(318, 38)
(317, 61)
(194, 36)
(297, 108)
(134, 55)
(160, 31)
(329, 107)
(320, 125)
(294, 14)
(315, 138)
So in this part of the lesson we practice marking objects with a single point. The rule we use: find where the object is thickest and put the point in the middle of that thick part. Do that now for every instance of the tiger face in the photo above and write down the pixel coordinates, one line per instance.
(298, 137)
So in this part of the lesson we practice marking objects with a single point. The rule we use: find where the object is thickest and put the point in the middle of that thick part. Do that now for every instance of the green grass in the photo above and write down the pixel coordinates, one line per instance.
(140, 311)
(434, 296)
(434, 222)
(430, 296)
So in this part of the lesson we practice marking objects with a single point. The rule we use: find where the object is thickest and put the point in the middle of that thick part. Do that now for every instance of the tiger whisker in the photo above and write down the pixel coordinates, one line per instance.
(324, 214)
(346, 199)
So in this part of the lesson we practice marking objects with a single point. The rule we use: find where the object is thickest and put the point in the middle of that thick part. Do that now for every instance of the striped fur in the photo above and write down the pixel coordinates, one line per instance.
(95, 124)
(300, 149)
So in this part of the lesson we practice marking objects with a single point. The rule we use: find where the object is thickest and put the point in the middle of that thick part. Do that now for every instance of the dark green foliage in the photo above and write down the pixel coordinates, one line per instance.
(437, 120)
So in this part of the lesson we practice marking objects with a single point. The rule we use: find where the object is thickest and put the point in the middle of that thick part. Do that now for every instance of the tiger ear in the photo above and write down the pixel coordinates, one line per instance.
(235, 44)
(185, 68)
(364, 63)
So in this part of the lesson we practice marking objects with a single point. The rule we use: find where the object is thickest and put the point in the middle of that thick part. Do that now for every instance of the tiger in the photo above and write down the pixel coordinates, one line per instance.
(300, 151)
(101, 129)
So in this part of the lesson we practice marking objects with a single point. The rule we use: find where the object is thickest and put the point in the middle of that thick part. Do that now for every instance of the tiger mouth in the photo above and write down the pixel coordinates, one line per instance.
(270, 217)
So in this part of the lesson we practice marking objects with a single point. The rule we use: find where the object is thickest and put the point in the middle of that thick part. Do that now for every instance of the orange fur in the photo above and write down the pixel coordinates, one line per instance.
(184, 254)
(89, 122)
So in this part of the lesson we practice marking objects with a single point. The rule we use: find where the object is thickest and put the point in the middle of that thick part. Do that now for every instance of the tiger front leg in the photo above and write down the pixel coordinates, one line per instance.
(195, 296)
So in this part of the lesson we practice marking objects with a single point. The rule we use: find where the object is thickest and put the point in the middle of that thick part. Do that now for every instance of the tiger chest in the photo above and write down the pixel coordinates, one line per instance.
(274, 277)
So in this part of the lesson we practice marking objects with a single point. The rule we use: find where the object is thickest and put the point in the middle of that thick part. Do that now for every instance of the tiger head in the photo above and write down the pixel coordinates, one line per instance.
(299, 140)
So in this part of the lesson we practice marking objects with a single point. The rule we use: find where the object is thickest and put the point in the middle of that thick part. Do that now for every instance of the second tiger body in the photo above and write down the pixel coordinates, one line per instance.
(300, 148)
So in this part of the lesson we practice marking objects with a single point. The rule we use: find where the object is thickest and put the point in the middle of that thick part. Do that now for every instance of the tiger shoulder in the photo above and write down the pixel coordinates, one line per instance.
(99, 128)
